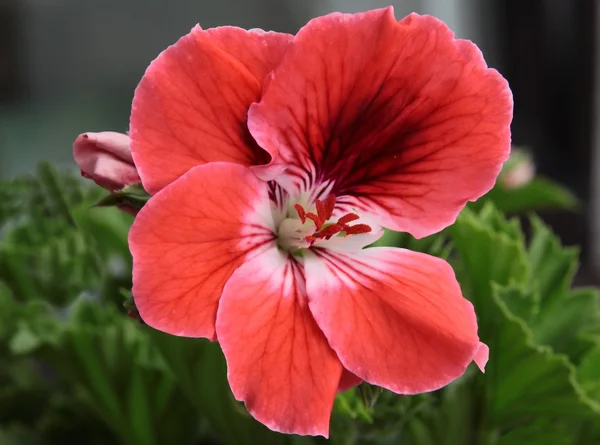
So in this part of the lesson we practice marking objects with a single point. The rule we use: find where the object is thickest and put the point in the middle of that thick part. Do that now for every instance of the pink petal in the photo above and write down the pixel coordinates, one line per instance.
(191, 105)
(189, 238)
(278, 360)
(396, 318)
(408, 122)
(482, 356)
(105, 158)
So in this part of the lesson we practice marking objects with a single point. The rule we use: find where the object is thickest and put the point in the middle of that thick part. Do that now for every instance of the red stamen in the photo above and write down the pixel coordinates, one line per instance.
(321, 210)
(357, 229)
(324, 213)
(329, 231)
(318, 222)
(347, 218)
(301, 212)
(329, 205)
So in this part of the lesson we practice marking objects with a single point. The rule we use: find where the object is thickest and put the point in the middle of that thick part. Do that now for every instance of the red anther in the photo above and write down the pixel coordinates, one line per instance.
(329, 231)
(321, 211)
(301, 212)
(357, 229)
(329, 205)
(347, 218)
(324, 212)
(318, 222)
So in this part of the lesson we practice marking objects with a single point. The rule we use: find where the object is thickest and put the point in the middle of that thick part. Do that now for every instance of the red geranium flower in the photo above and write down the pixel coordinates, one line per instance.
(368, 122)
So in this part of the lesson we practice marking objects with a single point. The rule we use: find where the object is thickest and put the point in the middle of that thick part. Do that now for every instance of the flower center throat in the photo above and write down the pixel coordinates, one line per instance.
(309, 228)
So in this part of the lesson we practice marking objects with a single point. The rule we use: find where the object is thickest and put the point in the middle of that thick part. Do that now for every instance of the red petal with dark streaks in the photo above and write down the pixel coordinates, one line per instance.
(191, 105)
(189, 238)
(396, 318)
(410, 123)
(278, 361)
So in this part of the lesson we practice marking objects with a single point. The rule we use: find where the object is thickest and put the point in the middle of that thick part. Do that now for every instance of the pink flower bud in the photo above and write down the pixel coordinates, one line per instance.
(518, 171)
(105, 158)
(519, 176)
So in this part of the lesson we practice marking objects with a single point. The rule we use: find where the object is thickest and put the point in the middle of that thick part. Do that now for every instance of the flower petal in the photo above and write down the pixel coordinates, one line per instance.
(396, 318)
(348, 381)
(482, 356)
(404, 120)
(278, 360)
(356, 242)
(105, 158)
(189, 238)
(190, 107)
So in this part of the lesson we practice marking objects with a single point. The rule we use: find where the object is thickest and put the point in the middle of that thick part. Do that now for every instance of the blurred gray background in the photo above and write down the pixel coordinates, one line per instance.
(78, 61)
(69, 66)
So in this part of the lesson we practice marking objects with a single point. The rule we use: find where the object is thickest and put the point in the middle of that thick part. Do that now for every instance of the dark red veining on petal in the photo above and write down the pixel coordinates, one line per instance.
(399, 116)
(394, 124)
(324, 213)
(277, 195)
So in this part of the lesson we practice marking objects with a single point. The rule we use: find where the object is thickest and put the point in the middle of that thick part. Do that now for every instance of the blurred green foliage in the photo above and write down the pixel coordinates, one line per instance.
(74, 368)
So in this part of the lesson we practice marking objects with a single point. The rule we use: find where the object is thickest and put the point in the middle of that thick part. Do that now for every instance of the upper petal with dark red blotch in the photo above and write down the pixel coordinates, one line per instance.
(278, 361)
(408, 122)
(395, 318)
(191, 105)
(189, 238)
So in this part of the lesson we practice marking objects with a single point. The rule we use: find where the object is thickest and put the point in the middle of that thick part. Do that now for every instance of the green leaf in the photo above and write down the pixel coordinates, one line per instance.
(35, 324)
(199, 367)
(369, 394)
(52, 246)
(520, 297)
(19, 435)
(526, 380)
(553, 266)
(538, 194)
(563, 314)
(490, 250)
(561, 323)
(588, 373)
(520, 301)
(351, 404)
(133, 195)
(387, 423)
(545, 432)
(437, 245)
(53, 189)
(138, 406)
(449, 418)
(119, 376)
(24, 341)
(7, 310)
(419, 433)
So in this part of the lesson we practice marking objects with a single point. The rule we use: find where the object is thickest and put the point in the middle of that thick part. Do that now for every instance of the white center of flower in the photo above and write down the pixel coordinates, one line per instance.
(292, 233)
